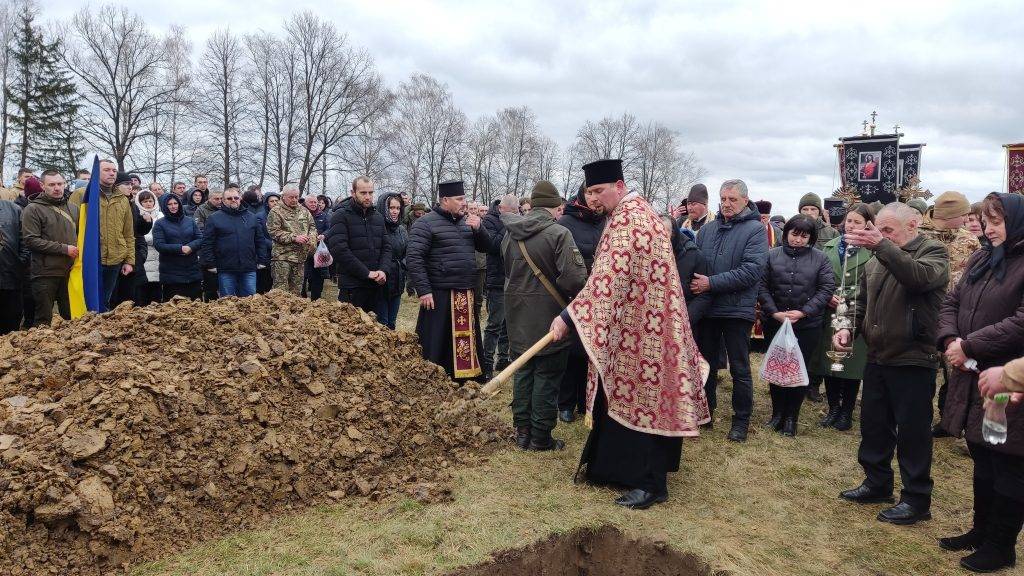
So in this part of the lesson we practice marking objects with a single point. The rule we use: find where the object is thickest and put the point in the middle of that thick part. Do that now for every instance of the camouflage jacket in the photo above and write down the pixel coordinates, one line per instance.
(960, 243)
(283, 225)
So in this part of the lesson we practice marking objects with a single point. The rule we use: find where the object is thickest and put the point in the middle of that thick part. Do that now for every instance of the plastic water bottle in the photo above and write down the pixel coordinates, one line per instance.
(993, 427)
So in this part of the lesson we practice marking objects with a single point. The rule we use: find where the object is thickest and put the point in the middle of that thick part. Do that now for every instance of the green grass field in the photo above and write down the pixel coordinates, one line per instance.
(766, 507)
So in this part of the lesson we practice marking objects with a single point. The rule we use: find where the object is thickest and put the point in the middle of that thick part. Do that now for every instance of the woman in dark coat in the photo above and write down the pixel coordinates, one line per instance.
(176, 238)
(797, 285)
(391, 206)
(982, 319)
(688, 263)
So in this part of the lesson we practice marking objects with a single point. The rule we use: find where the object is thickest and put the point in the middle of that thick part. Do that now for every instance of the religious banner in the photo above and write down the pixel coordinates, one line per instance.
(909, 164)
(870, 164)
(1015, 168)
(466, 362)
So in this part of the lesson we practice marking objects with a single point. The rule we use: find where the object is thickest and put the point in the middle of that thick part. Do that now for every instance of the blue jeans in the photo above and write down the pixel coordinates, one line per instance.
(236, 283)
(387, 310)
(108, 279)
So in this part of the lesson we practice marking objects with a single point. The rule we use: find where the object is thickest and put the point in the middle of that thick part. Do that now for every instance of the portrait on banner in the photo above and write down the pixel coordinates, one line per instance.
(867, 167)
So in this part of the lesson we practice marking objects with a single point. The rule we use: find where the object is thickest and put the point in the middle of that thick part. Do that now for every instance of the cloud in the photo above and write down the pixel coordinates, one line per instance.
(758, 90)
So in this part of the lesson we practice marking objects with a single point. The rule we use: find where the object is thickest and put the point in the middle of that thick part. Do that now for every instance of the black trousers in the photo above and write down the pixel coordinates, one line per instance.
(210, 286)
(896, 416)
(11, 310)
(363, 298)
(28, 309)
(147, 293)
(264, 280)
(735, 333)
(190, 290)
(572, 394)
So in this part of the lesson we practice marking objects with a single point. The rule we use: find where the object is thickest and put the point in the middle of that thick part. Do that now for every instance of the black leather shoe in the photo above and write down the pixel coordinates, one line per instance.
(844, 422)
(864, 495)
(567, 416)
(990, 558)
(939, 432)
(904, 514)
(545, 444)
(738, 433)
(523, 437)
(775, 423)
(969, 541)
(789, 427)
(638, 499)
(830, 418)
(813, 394)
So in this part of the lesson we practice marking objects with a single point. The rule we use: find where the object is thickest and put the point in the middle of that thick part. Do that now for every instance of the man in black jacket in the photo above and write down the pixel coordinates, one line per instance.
(442, 265)
(496, 333)
(359, 244)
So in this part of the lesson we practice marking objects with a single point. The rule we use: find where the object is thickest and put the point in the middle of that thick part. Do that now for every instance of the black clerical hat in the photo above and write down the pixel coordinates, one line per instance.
(603, 172)
(450, 188)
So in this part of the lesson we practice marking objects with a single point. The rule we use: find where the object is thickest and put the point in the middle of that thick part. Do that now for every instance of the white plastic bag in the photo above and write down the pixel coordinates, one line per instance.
(783, 363)
(322, 257)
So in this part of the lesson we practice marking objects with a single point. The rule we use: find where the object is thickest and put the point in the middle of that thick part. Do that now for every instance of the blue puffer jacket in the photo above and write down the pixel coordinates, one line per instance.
(234, 241)
(736, 252)
(170, 233)
(358, 243)
(442, 252)
(398, 237)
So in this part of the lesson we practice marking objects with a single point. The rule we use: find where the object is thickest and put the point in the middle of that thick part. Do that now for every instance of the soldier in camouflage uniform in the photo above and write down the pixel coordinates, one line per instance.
(293, 231)
(946, 223)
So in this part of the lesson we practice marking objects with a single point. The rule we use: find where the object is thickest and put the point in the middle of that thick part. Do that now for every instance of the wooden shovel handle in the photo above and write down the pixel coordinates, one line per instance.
(492, 386)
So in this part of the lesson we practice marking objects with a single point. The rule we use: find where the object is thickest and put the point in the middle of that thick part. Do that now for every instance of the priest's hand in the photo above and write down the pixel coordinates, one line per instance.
(427, 301)
(700, 284)
(559, 328)
(473, 220)
(841, 340)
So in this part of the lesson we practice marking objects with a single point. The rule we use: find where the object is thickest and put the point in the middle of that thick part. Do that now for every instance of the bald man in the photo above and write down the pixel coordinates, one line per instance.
(897, 311)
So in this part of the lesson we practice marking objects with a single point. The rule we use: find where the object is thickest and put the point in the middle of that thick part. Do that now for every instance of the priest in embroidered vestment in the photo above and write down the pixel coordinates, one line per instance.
(442, 267)
(645, 388)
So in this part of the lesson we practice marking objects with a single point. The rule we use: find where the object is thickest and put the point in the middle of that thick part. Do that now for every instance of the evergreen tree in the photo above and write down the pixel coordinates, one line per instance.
(43, 102)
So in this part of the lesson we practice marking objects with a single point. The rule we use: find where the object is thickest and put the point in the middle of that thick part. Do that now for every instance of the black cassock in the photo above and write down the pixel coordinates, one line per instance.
(619, 456)
(434, 327)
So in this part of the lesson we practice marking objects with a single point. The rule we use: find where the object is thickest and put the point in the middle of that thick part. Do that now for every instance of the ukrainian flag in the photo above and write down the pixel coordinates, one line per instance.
(85, 284)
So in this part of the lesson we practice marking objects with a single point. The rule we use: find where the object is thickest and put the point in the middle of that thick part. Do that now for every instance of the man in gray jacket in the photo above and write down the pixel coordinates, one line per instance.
(735, 247)
(537, 247)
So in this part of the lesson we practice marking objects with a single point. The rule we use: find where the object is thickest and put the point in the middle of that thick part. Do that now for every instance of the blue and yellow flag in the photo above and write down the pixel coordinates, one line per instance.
(85, 290)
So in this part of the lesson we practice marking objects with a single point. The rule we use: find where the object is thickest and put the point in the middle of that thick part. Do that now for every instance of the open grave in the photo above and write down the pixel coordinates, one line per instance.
(603, 551)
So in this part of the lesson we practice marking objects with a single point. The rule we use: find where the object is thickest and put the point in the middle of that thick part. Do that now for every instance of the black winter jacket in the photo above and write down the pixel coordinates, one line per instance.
(495, 279)
(585, 226)
(797, 279)
(170, 233)
(234, 240)
(689, 262)
(358, 243)
(398, 237)
(442, 252)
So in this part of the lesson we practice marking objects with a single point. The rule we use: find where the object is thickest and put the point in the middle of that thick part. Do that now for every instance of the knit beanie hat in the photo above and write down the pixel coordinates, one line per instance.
(33, 188)
(919, 205)
(123, 178)
(810, 199)
(698, 194)
(545, 195)
(950, 205)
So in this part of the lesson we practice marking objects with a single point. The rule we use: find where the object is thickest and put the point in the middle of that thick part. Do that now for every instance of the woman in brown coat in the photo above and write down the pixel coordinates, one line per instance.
(983, 319)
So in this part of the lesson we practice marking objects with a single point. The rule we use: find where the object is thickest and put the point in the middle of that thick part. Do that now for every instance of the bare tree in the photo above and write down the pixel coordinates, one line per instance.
(479, 152)
(8, 27)
(119, 64)
(222, 102)
(368, 151)
(611, 138)
(339, 89)
(570, 171)
(662, 170)
(428, 132)
(547, 160)
(517, 148)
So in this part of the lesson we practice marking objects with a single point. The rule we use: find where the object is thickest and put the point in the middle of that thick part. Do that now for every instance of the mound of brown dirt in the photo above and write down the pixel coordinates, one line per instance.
(127, 435)
(601, 551)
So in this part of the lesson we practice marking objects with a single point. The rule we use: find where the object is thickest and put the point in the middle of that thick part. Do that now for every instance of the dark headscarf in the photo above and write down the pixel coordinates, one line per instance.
(163, 207)
(382, 207)
(578, 208)
(994, 257)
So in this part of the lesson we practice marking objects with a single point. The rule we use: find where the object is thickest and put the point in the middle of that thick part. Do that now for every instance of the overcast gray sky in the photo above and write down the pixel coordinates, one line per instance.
(758, 90)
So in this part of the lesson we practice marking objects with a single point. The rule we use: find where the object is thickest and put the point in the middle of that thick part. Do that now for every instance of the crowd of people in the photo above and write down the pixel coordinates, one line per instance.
(643, 309)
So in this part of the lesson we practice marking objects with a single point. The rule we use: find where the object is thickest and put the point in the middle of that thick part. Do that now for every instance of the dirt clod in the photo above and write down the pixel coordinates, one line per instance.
(129, 435)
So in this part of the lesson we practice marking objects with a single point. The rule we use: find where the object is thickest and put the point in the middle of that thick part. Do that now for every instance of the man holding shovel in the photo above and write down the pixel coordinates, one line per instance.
(645, 388)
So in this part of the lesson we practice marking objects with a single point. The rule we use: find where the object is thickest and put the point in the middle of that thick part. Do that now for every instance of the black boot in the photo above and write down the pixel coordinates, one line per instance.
(833, 393)
(775, 392)
(523, 437)
(543, 442)
(813, 394)
(998, 548)
(848, 400)
(982, 505)
(796, 398)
